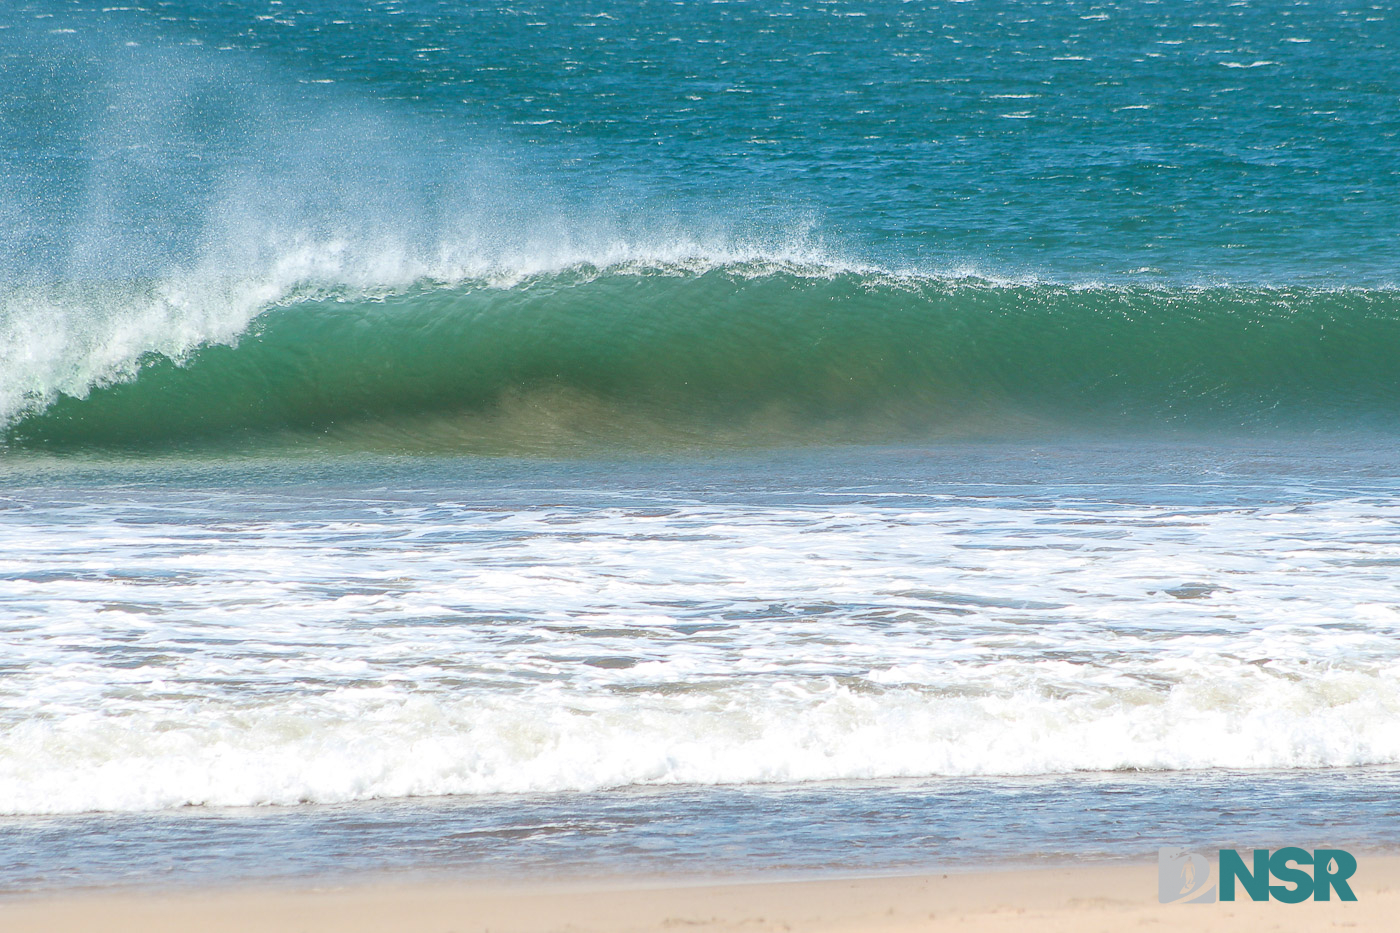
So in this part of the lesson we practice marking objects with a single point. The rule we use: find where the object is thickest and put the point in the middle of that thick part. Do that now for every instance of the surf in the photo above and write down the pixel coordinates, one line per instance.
(745, 350)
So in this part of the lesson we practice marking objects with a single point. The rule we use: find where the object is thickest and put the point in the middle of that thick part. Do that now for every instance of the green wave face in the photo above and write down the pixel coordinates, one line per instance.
(737, 356)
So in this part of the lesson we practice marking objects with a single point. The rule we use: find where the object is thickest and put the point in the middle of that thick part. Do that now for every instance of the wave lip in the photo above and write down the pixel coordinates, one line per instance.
(723, 346)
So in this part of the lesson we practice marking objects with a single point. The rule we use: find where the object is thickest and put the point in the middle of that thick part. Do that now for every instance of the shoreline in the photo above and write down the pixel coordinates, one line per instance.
(1108, 897)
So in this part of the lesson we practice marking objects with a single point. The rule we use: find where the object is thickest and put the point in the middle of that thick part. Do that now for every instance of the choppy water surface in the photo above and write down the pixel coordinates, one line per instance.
(776, 422)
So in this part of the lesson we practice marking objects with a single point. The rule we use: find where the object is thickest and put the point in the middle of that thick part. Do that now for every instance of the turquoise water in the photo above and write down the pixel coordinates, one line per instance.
(759, 221)
(1177, 141)
(687, 420)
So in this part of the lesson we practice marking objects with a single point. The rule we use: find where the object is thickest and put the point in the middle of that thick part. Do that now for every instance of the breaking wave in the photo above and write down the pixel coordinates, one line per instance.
(636, 348)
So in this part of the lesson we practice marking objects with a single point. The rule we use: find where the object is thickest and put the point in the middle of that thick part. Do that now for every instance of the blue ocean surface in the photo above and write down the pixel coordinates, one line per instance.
(713, 437)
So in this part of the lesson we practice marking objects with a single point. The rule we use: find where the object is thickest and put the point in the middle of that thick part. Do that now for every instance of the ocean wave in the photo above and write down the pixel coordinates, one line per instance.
(639, 344)
(381, 742)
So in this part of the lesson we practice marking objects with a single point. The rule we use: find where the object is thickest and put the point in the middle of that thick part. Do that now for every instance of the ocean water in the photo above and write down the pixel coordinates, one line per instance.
(632, 436)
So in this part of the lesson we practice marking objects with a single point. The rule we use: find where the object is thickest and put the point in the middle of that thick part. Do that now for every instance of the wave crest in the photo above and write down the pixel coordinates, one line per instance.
(708, 346)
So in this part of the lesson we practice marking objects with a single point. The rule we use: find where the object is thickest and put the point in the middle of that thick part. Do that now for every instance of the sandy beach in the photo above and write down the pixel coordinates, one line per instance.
(605, 466)
(1079, 899)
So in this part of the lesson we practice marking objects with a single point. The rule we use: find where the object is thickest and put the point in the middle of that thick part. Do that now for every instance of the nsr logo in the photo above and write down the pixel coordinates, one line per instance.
(1184, 876)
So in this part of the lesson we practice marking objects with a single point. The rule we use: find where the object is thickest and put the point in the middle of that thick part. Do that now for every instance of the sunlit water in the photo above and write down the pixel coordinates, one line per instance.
(631, 436)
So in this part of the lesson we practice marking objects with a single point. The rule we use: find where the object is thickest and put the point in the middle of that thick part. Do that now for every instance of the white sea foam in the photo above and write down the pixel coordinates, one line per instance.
(376, 742)
(219, 652)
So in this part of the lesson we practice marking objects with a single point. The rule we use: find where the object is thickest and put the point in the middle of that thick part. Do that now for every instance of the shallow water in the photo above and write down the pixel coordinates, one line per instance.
(949, 825)
(681, 633)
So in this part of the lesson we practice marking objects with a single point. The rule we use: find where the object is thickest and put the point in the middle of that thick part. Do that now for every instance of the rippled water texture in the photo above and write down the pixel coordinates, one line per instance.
(595, 427)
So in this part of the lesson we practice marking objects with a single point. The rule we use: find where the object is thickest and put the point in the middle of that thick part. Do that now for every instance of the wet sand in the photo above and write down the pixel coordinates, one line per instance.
(1073, 899)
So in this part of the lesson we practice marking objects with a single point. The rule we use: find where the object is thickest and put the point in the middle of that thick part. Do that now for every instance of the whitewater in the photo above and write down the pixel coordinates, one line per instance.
(409, 646)
(500, 439)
